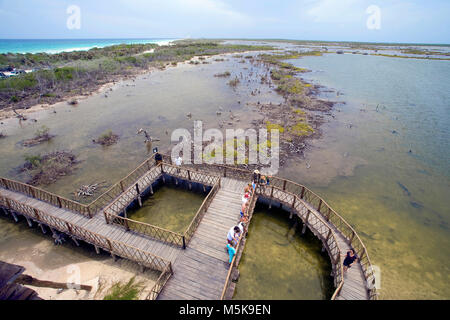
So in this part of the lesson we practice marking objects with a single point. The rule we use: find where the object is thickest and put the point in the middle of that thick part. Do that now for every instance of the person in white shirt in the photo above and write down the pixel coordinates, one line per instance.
(233, 235)
(178, 162)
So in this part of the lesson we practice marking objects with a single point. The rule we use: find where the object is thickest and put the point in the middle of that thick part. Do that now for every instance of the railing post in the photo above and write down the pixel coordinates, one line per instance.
(110, 246)
(36, 214)
(320, 205)
(32, 192)
(329, 214)
(225, 172)
(351, 239)
(293, 202)
(328, 236)
(271, 193)
(5, 184)
(148, 165)
(284, 185)
(59, 202)
(303, 193)
(69, 228)
(184, 243)
(106, 217)
(121, 186)
(189, 175)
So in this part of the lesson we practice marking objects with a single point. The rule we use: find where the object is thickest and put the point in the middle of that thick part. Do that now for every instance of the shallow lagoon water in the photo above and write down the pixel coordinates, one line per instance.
(169, 208)
(397, 200)
(279, 263)
(359, 165)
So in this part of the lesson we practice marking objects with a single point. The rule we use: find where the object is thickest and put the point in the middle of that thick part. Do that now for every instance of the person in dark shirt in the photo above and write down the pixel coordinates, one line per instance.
(158, 158)
(350, 259)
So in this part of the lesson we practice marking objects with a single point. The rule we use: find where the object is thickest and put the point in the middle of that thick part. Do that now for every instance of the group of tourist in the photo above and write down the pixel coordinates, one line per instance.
(235, 233)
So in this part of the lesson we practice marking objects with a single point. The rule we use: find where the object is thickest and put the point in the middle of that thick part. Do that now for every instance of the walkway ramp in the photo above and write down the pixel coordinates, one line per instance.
(201, 270)
(62, 220)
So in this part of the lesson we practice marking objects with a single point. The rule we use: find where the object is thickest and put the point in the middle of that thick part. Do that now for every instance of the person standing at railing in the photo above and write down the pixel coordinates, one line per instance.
(233, 236)
(178, 163)
(350, 259)
(256, 176)
(158, 158)
(231, 253)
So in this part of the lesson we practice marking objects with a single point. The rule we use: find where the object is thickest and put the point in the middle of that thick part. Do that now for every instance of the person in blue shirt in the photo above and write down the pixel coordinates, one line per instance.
(231, 252)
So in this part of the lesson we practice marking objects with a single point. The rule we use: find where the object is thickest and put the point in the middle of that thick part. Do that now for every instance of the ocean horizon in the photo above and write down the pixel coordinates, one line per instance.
(52, 46)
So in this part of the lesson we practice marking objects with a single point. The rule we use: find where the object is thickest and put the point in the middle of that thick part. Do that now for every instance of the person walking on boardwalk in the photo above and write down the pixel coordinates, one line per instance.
(350, 259)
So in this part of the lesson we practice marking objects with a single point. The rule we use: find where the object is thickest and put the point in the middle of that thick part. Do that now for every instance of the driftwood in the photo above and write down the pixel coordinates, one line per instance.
(148, 138)
(21, 117)
(29, 280)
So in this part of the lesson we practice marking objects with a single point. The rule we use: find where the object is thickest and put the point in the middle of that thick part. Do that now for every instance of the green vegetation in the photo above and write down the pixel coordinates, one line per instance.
(224, 74)
(125, 291)
(47, 169)
(33, 160)
(406, 57)
(274, 126)
(301, 129)
(290, 85)
(107, 138)
(43, 131)
(57, 76)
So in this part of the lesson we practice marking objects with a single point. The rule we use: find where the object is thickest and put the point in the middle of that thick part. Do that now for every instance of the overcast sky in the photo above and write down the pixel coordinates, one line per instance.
(415, 21)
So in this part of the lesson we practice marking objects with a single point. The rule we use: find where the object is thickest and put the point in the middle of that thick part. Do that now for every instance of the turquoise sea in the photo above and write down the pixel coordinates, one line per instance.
(62, 45)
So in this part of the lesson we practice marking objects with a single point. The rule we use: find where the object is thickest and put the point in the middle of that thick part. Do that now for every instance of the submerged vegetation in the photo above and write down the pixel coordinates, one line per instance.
(46, 169)
(107, 138)
(41, 135)
(233, 83)
(61, 75)
(223, 75)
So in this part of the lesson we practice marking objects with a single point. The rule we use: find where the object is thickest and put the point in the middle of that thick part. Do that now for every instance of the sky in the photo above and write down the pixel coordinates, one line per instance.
(399, 21)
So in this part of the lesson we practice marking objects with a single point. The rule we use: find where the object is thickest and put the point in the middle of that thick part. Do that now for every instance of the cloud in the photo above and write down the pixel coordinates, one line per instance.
(332, 11)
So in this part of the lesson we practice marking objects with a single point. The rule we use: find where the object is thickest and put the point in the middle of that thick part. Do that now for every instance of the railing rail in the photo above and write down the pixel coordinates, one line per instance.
(325, 210)
(113, 210)
(45, 196)
(118, 248)
(250, 209)
(200, 213)
(161, 282)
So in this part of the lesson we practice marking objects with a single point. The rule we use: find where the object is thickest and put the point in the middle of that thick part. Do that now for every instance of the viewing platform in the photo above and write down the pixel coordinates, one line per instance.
(193, 264)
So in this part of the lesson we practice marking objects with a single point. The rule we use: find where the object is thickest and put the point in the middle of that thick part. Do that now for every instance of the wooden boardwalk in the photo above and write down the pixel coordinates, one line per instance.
(96, 225)
(193, 265)
(201, 270)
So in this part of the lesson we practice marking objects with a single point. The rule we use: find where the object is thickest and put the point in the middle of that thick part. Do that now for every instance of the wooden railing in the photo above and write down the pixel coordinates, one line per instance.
(88, 210)
(160, 283)
(188, 234)
(316, 223)
(334, 218)
(326, 212)
(46, 196)
(239, 248)
(118, 248)
(113, 210)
